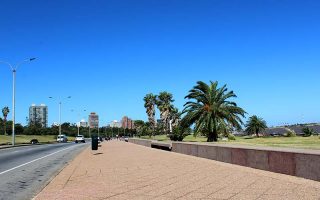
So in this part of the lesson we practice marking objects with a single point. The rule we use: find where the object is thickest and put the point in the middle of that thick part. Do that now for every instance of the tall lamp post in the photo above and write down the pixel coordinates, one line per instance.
(78, 116)
(60, 112)
(14, 70)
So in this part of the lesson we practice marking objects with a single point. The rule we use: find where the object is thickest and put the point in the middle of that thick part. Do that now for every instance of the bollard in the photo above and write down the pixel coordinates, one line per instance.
(94, 143)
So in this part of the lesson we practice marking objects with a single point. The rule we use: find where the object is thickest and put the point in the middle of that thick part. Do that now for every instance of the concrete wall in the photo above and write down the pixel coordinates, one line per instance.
(302, 163)
(142, 142)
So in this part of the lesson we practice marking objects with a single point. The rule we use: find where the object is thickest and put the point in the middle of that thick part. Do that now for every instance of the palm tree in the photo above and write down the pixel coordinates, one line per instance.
(5, 112)
(165, 107)
(210, 109)
(255, 125)
(149, 104)
(175, 116)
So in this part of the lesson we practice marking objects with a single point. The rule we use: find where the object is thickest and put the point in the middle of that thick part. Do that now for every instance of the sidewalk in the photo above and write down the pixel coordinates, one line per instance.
(120, 170)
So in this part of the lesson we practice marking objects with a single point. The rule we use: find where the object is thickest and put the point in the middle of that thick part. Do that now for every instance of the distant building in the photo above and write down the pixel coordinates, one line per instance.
(93, 120)
(83, 123)
(38, 114)
(115, 124)
(127, 123)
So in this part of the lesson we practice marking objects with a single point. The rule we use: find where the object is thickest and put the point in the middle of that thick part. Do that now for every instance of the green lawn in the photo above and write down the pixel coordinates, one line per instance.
(312, 142)
(20, 139)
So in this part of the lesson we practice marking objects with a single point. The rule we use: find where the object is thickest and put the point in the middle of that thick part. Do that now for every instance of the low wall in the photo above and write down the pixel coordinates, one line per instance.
(301, 163)
(142, 142)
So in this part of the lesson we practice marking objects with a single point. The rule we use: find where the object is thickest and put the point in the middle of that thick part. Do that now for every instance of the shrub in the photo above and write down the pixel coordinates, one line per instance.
(290, 133)
(248, 137)
(231, 137)
(307, 131)
(178, 133)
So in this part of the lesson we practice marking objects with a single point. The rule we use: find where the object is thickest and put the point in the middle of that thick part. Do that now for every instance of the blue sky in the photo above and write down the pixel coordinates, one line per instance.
(107, 54)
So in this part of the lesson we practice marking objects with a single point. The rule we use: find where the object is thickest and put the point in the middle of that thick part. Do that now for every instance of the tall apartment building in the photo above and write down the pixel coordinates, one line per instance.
(38, 114)
(93, 120)
(115, 124)
(127, 123)
(83, 123)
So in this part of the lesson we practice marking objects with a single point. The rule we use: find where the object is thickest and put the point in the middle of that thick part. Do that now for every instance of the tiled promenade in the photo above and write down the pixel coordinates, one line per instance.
(120, 170)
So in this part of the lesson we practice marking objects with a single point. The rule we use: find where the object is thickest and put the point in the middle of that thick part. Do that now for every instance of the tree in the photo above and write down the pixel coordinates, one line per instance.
(174, 116)
(5, 112)
(255, 125)
(209, 107)
(179, 132)
(138, 124)
(165, 107)
(307, 131)
(149, 104)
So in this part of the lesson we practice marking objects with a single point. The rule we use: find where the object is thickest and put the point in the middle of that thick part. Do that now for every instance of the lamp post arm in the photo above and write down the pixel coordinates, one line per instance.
(26, 60)
(7, 64)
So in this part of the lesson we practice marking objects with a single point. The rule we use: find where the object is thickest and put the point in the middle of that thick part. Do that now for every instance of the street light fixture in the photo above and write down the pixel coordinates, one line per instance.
(60, 111)
(14, 70)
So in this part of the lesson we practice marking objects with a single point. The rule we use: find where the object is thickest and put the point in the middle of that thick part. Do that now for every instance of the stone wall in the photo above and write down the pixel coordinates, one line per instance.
(301, 163)
(142, 142)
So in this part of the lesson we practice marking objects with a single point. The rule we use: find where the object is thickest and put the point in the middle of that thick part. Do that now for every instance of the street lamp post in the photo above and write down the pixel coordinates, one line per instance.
(14, 70)
(78, 116)
(60, 112)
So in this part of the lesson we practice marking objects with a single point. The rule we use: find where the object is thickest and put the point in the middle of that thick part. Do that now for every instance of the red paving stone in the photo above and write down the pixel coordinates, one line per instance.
(120, 170)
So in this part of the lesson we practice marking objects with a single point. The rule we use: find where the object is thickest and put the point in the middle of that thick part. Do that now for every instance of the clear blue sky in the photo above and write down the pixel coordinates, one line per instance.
(107, 54)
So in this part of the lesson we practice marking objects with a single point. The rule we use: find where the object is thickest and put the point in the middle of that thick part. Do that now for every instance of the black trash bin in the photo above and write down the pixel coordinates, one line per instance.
(94, 143)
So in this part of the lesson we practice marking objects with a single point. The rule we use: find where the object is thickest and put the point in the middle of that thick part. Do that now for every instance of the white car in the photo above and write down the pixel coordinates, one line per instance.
(80, 138)
(62, 138)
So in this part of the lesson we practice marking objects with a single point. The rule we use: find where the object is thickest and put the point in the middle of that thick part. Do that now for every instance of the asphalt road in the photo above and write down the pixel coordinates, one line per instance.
(25, 171)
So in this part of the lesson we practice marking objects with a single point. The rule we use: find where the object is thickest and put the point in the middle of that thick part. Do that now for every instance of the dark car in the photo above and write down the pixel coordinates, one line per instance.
(34, 141)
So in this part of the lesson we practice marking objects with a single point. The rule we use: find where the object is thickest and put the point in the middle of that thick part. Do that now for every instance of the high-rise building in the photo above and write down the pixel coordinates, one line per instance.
(115, 124)
(38, 115)
(83, 123)
(93, 120)
(127, 123)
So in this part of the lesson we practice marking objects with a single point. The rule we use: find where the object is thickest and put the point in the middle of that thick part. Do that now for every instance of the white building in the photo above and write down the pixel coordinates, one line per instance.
(115, 124)
(38, 114)
(82, 123)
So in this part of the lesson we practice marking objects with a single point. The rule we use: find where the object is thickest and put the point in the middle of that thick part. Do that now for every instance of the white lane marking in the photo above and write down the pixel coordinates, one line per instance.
(34, 160)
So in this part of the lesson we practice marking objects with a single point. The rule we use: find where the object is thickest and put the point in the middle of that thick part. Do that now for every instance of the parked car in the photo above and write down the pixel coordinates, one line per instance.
(80, 138)
(34, 141)
(62, 138)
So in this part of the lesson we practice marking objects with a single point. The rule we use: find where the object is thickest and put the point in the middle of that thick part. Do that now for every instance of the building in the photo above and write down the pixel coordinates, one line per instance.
(127, 123)
(38, 115)
(115, 124)
(93, 120)
(83, 123)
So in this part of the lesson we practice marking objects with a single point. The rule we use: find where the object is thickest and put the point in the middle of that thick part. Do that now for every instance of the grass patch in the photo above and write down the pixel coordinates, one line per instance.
(22, 139)
(312, 142)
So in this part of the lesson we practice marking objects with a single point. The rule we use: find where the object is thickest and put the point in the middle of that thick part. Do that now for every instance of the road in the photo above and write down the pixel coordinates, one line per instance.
(24, 171)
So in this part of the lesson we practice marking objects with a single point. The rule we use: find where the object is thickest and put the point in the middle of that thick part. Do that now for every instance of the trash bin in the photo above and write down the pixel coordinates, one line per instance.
(94, 143)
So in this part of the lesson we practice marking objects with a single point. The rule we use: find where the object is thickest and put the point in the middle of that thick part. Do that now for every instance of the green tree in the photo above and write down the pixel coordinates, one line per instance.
(179, 132)
(138, 124)
(255, 125)
(307, 131)
(165, 107)
(149, 104)
(209, 107)
(5, 112)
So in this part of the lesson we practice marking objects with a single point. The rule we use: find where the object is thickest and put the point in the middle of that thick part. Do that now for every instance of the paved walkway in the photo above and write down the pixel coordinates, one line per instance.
(120, 170)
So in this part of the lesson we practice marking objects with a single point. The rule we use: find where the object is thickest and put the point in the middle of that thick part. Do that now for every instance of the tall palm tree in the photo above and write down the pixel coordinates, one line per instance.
(149, 104)
(5, 112)
(255, 125)
(210, 108)
(165, 107)
(175, 117)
